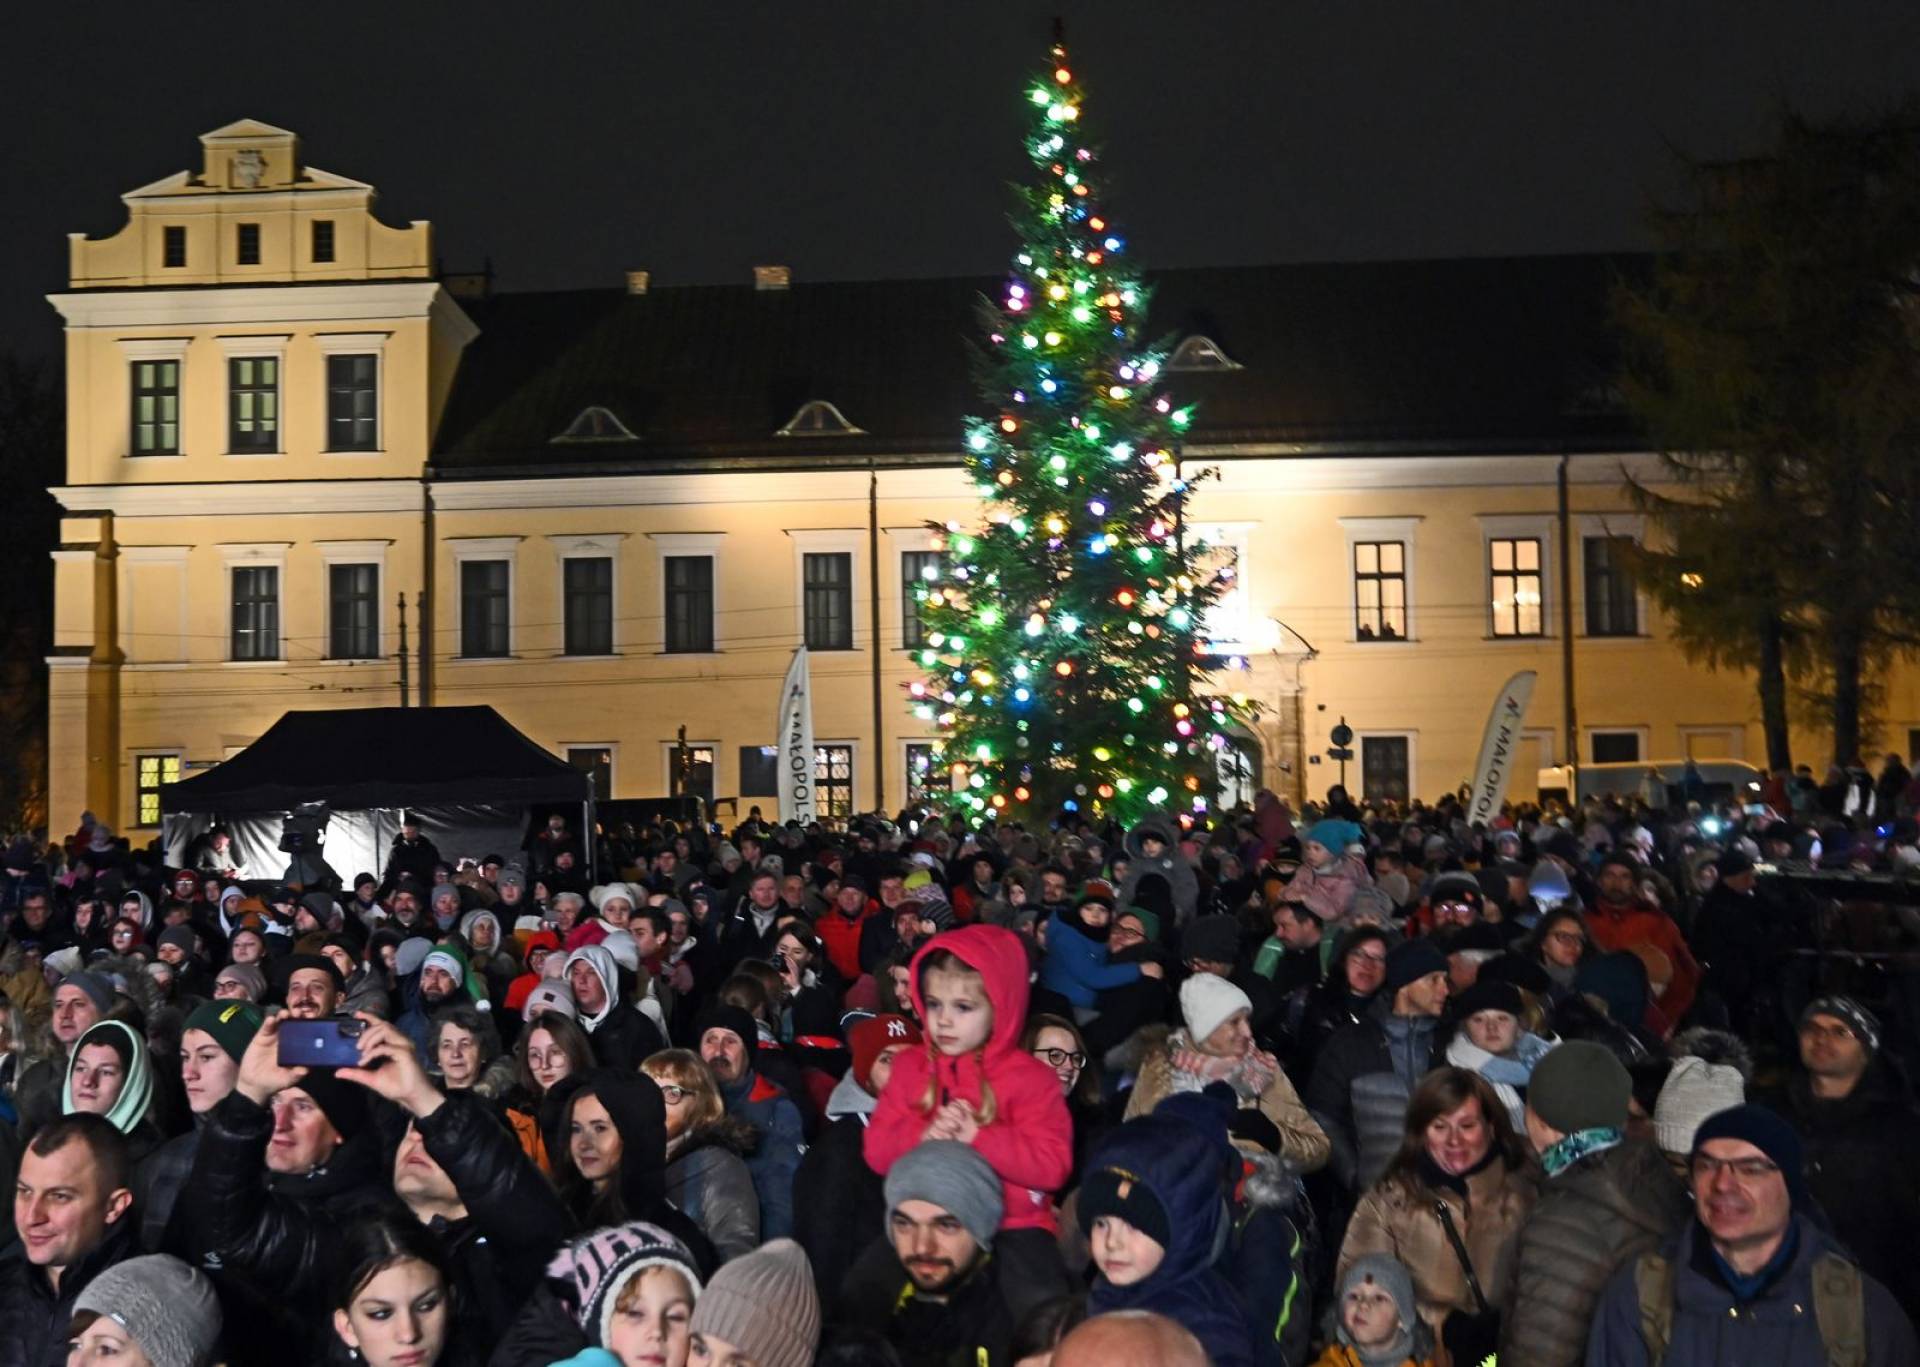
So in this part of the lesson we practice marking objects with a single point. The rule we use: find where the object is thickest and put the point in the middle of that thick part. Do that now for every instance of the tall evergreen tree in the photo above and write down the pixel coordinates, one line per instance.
(1775, 358)
(1062, 639)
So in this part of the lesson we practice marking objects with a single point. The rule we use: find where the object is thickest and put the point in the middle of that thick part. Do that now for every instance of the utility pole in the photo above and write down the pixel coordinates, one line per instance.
(873, 634)
(403, 649)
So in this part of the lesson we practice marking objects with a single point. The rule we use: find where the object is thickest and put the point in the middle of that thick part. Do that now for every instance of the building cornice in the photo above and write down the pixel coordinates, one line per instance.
(279, 498)
(355, 301)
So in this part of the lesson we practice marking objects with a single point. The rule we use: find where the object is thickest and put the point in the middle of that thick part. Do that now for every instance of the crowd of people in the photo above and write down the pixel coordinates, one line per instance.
(1362, 1087)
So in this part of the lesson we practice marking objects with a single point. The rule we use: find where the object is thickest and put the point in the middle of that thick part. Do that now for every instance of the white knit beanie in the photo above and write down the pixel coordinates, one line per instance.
(1694, 1090)
(1206, 1000)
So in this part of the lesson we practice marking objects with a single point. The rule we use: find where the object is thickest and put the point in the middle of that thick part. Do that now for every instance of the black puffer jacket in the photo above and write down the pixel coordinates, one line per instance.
(270, 1241)
(515, 1220)
(33, 1315)
(839, 1203)
(1361, 1084)
(1607, 1208)
(1860, 1168)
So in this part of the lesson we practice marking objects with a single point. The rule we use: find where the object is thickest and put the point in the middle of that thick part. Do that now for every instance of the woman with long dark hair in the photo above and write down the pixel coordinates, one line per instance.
(393, 1305)
(606, 1133)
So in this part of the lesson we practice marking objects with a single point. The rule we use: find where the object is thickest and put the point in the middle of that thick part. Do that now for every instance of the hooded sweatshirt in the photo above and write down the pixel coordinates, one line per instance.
(1029, 1144)
(621, 1035)
(1184, 1167)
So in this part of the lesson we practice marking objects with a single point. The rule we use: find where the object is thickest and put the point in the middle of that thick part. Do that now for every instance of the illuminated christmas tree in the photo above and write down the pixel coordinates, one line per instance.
(1062, 638)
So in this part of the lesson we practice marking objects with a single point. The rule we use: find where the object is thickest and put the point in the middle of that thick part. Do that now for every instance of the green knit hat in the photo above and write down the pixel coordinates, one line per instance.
(231, 1024)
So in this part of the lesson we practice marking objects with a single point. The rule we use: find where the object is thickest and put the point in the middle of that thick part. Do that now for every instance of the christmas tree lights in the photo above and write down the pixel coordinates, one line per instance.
(1063, 639)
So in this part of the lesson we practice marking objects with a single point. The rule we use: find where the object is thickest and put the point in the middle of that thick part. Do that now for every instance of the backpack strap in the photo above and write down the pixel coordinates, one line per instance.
(1653, 1284)
(1840, 1309)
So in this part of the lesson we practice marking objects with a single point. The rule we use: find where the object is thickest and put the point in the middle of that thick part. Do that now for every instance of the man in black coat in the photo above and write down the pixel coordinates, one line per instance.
(463, 1174)
(73, 1203)
(1861, 1128)
(930, 1285)
(837, 1197)
(285, 1163)
(412, 855)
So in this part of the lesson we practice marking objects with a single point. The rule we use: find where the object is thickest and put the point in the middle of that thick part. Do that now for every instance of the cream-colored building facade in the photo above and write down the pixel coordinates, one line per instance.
(306, 472)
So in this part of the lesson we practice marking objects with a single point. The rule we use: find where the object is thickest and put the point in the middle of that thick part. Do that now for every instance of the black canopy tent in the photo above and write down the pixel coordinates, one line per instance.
(467, 774)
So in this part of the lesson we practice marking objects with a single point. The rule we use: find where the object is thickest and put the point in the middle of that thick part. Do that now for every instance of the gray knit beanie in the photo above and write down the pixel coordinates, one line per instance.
(954, 1177)
(167, 1307)
(765, 1305)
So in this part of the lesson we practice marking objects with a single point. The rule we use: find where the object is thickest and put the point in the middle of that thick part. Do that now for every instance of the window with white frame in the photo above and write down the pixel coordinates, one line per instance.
(689, 771)
(827, 583)
(256, 612)
(833, 779)
(1513, 570)
(927, 774)
(1386, 767)
(155, 369)
(486, 608)
(1380, 590)
(689, 603)
(1222, 555)
(919, 571)
(588, 606)
(353, 386)
(1624, 746)
(830, 582)
(689, 564)
(353, 612)
(1613, 607)
(596, 762)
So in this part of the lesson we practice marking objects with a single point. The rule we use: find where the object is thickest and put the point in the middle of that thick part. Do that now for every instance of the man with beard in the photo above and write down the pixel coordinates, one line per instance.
(931, 1287)
(442, 981)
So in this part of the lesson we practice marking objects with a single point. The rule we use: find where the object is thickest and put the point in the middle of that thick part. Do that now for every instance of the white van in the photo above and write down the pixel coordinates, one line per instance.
(1727, 780)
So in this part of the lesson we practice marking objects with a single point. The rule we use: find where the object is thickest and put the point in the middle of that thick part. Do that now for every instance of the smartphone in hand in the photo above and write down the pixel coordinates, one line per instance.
(330, 1043)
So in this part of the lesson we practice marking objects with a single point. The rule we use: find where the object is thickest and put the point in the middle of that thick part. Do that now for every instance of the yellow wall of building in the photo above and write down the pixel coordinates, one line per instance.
(149, 545)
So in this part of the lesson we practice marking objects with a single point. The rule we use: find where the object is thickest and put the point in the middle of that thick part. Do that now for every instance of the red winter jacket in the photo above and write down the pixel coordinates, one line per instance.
(840, 937)
(1030, 1142)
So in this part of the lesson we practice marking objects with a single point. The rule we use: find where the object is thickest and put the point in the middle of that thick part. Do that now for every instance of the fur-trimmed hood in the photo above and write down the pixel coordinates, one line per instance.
(1271, 1182)
(497, 1080)
(735, 1135)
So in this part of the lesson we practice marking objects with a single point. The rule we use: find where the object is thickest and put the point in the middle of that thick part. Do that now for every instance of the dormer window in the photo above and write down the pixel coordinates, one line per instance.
(322, 240)
(595, 424)
(1200, 353)
(818, 418)
(173, 247)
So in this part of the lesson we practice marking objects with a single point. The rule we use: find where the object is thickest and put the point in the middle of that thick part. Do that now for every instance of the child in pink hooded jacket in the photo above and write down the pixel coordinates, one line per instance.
(974, 1083)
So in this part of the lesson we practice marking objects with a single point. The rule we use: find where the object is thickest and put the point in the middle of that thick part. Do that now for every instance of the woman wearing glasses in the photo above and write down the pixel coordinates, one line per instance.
(1559, 945)
(1353, 980)
(1058, 1043)
(707, 1175)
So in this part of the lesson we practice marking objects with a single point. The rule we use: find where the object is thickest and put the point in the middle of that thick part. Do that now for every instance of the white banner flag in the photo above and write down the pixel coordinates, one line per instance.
(1499, 748)
(795, 730)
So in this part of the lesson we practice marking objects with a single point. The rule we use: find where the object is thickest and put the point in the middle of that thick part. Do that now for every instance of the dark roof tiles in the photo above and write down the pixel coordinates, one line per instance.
(1464, 355)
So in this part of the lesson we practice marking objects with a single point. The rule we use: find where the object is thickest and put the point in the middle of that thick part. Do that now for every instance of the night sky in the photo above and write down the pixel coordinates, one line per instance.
(571, 140)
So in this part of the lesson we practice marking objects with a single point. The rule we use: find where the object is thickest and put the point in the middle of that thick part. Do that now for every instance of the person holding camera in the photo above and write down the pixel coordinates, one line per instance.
(457, 1170)
(285, 1162)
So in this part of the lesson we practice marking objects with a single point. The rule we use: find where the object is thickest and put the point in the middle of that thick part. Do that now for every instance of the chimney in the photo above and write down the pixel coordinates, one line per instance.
(637, 281)
(772, 277)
